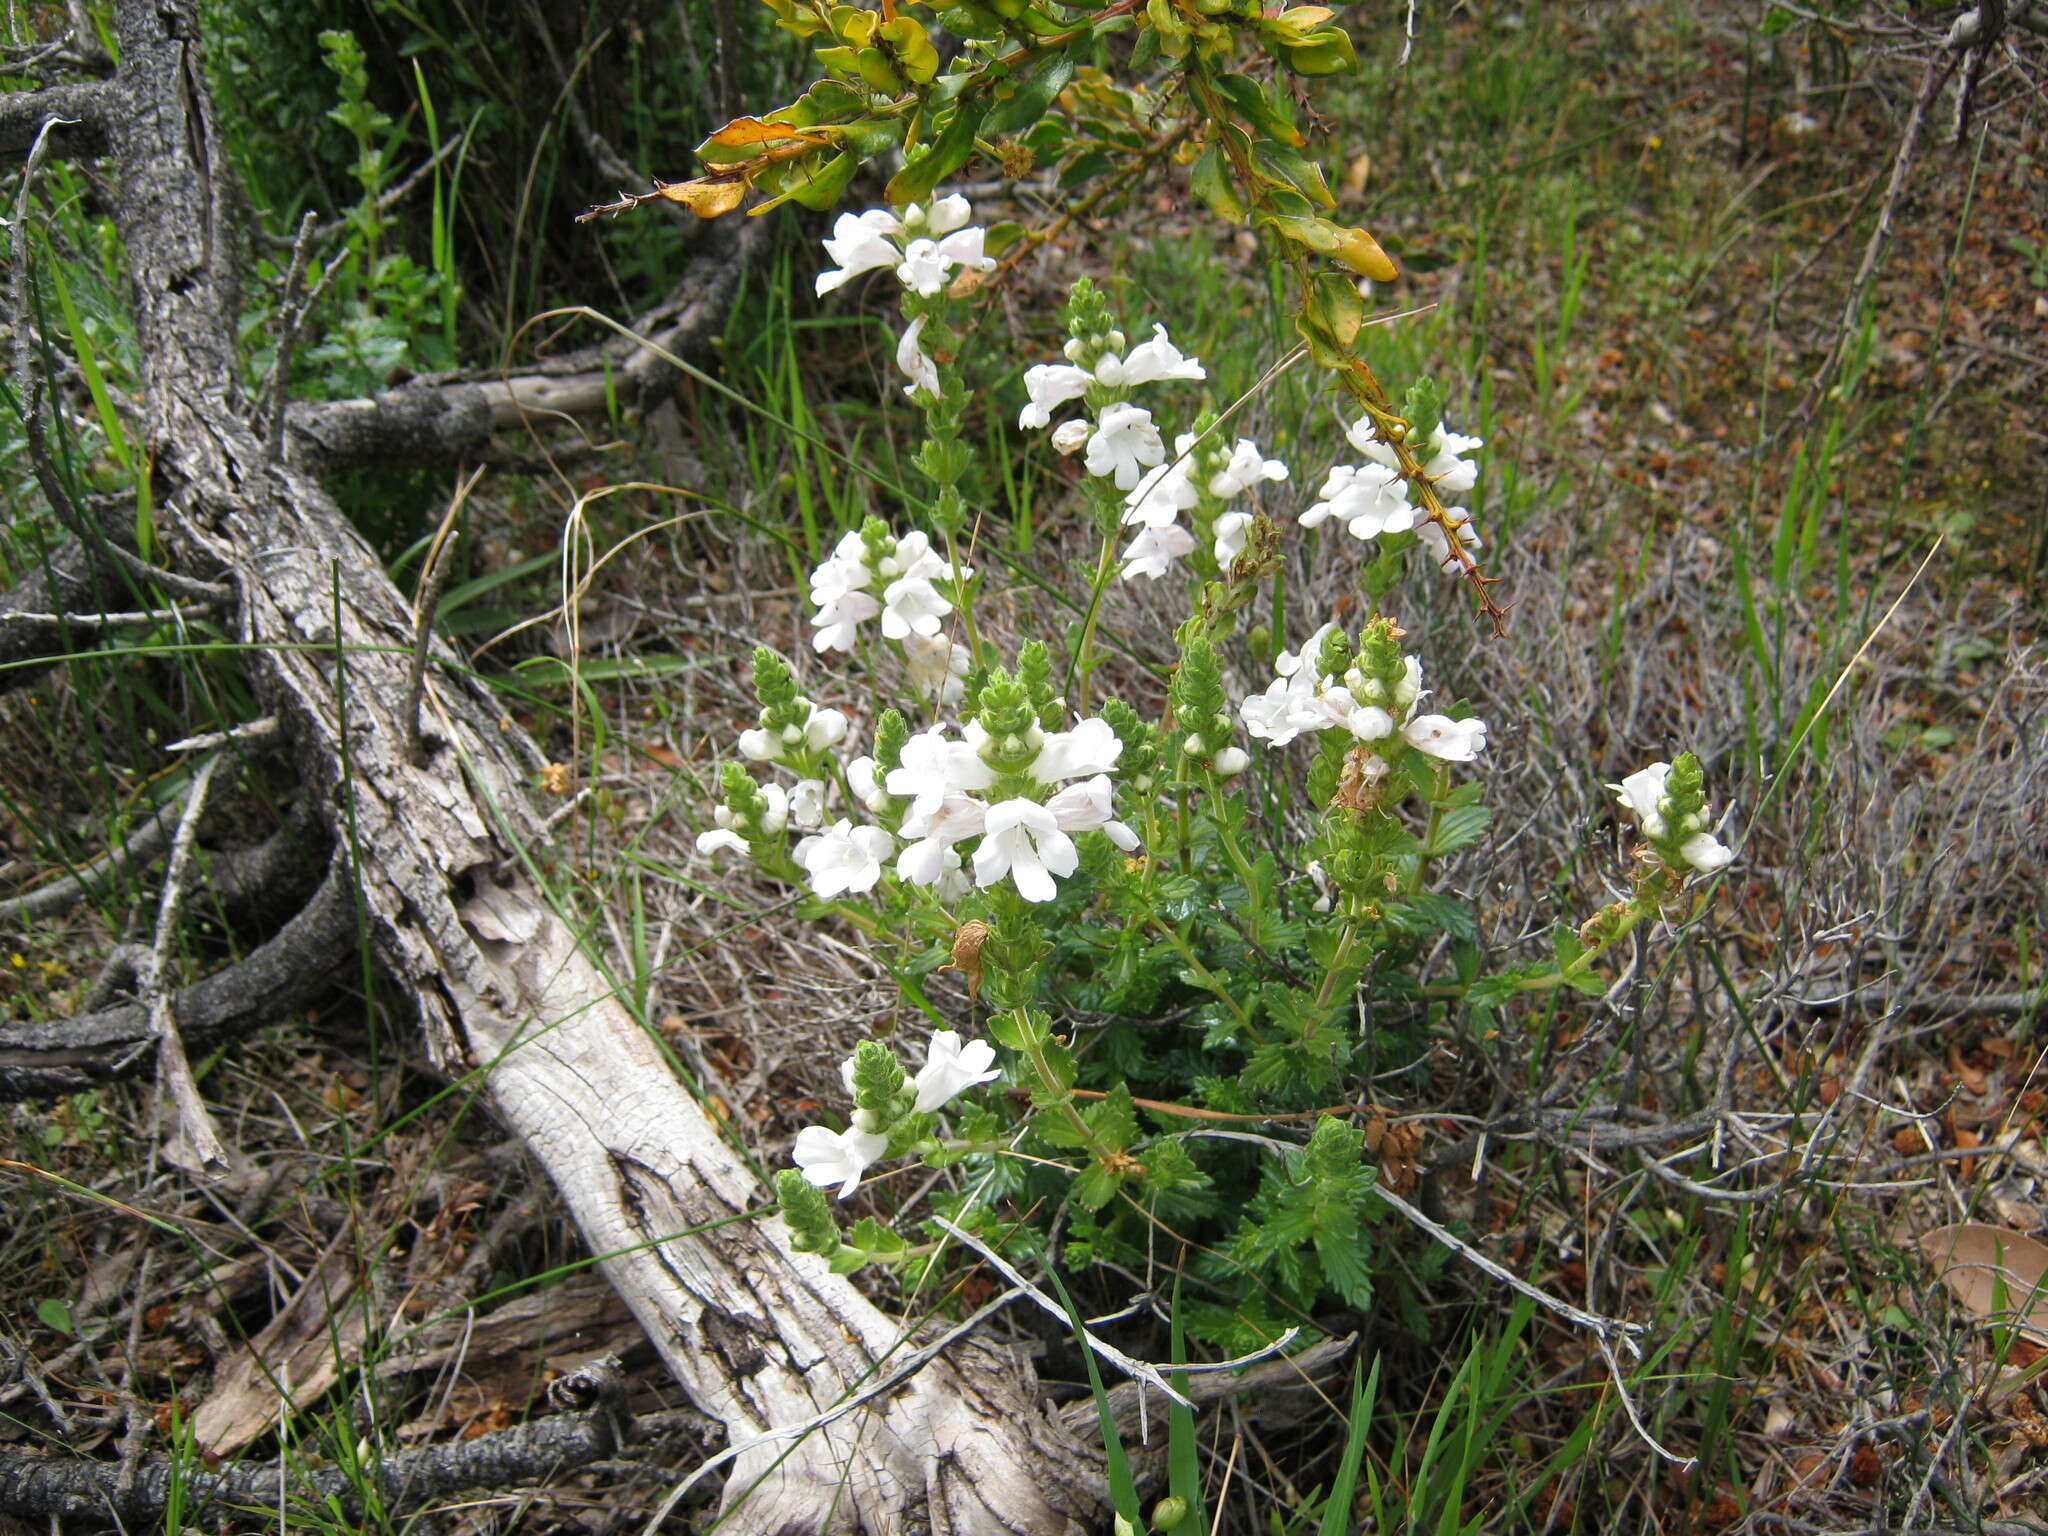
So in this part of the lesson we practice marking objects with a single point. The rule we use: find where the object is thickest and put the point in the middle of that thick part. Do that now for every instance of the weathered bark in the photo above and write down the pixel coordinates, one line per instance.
(760, 1337)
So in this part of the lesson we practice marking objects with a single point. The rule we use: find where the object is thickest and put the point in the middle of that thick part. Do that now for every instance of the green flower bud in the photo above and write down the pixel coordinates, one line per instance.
(1168, 1513)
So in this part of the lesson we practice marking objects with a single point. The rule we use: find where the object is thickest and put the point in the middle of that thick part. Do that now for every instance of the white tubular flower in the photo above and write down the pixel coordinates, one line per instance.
(1231, 530)
(915, 362)
(1125, 444)
(932, 767)
(807, 803)
(1166, 492)
(721, 840)
(924, 267)
(844, 570)
(1321, 877)
(1461, 526)
(860, 243)
(1051, 385)
(913, 555)
(1706, 853)
(911, 605)
(1453, 741)
(825, 729)
(937, 667)
(836, 1157)
(1443, 463)
(1024, 842)
(1070, 437)
(759, 746)
(1090, 806)
(844, 858)
(1368, 500)
(838, 623)
(948, 214)
(1091, 747)
(1643, 793)
(866, 784)
(965, 249)
(1149, 362)
(1247, 467)
(1289, 705)
(1153, 552)
(1231, 761)
(1367, 722)
(951, 1068)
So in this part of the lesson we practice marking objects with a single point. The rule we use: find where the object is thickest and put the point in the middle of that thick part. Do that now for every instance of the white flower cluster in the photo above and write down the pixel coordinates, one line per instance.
(1024, 837)
(829, 1157)
(924, 248)
(870, 572)
(1643, 793)
(1299, 700)
(1122, 442)
(1156, 502)
(1370, 499)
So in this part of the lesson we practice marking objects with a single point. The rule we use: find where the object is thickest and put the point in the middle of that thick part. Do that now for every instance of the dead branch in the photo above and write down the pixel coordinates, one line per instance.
(66, 1488)
(446, 422)
(42, 1058)
(81, 109)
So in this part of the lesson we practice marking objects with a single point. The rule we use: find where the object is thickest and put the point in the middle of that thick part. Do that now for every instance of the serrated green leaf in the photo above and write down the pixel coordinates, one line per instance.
(1460, 827)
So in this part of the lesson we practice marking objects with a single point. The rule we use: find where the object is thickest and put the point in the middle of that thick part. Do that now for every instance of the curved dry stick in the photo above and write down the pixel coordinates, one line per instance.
(44, 1058)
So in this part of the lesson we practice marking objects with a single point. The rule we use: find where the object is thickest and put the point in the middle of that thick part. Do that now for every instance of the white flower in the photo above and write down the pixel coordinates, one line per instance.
(1149, 362)
(912, 606)
(1643, 793)
(913, 555)
(1289, 705)
(844, 858)
(1368, 722)
(1454, 741)
(721, 840)
(1023, 841)
(1051, 385)
(1124, 444)
(932, 767)
(951, 1068)
(838, 623)
(924, 267)
(948, 214)
(937, 666)
(964, 249)
(916, 364)
(1231, 761)
(1231, 530)
(1091, 747)
(1166, 492)
(859, 243)
(1153, 552)
(1090, 806)
(1451, 474)
(807, 803)
(836, 1157)
(826, 728)
(1368, 500)
(1246, 468)
(759, 746)
(1070, 437)
(866, 784)
(1705, 853)
(1321, 877)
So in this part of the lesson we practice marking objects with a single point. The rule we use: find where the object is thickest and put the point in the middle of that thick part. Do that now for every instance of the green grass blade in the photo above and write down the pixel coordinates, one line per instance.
(1123, 1489)
(1337, 1511)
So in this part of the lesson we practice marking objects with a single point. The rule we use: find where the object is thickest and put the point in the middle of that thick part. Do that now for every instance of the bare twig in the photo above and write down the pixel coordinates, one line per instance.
(426, 599)
(194, 1143)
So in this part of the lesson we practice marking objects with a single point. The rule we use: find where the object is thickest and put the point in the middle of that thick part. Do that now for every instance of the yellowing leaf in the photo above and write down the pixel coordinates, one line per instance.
(753, 130)
(1997, 1274)
(1362, 254)
(705, 198)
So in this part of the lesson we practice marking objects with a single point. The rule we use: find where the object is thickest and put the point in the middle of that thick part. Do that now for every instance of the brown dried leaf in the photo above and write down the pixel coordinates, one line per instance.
(1995, 1273)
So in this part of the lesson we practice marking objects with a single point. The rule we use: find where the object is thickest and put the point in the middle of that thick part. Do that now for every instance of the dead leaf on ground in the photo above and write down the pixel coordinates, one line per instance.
(1995, 1273)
